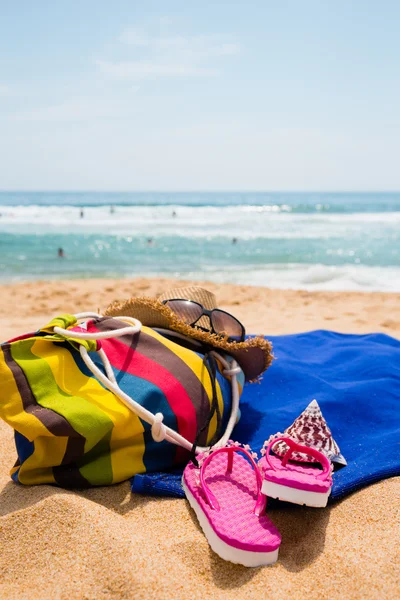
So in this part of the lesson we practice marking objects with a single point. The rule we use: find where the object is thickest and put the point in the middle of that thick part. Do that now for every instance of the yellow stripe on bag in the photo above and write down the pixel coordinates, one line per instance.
(38, 468)
(12, 408)
(197, 366)
(127, 440)
(34, 469)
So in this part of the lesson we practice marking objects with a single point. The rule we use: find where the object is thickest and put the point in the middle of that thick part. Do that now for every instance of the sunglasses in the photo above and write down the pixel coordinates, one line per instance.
(193, 314)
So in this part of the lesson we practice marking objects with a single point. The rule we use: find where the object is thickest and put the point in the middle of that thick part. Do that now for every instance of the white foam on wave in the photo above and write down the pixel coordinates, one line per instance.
(245, 222)
(316, 277)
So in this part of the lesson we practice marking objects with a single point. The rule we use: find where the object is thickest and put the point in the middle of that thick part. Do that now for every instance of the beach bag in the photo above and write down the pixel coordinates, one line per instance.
(98, 401)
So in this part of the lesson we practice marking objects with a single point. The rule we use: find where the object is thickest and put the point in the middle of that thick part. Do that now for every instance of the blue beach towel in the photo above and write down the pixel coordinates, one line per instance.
(356, 382)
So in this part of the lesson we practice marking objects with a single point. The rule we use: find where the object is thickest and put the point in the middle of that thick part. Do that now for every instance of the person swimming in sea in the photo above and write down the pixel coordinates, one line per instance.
(61, 253)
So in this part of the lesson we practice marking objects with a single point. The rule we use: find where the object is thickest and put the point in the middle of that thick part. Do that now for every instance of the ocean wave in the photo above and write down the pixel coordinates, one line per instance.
(312, 277)
(246, 222)
(269, 244)
(295, 202)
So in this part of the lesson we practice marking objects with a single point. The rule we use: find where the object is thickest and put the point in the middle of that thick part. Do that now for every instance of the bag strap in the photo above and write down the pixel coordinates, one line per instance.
(159, 431)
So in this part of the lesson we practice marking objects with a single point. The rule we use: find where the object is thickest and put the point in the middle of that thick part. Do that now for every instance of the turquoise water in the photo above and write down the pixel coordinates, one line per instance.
(286, 240)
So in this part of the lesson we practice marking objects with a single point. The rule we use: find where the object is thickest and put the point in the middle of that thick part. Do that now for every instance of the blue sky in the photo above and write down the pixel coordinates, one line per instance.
(211, 95)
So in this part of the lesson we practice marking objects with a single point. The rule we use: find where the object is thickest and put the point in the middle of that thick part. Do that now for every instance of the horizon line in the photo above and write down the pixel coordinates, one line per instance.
(188, 191)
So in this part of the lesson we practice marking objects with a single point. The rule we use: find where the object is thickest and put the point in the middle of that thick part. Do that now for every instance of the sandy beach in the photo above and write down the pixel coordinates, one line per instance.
(108, 543)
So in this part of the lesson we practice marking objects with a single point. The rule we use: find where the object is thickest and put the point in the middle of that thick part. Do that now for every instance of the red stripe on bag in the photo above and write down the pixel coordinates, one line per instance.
(133, 362)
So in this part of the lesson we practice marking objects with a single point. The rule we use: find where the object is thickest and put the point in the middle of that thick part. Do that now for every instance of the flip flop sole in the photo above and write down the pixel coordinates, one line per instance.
(224, 550)
(294, 495)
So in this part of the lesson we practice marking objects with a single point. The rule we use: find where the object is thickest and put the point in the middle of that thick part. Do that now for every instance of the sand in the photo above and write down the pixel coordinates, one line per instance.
(109, 543)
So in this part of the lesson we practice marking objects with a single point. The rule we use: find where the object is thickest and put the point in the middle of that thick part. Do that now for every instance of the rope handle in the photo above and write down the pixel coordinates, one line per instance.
(135, 327)
(159, 431)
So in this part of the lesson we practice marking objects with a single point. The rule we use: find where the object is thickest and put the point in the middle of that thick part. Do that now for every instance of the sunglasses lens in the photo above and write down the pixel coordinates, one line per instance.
(188, 311)
(225, 323)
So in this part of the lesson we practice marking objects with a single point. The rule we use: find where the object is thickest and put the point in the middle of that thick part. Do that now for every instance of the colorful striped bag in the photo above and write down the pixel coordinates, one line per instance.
(98, 402)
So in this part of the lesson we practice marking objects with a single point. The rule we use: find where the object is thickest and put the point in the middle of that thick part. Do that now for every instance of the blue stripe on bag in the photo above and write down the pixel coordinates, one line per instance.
(149, 395)
(25, 449)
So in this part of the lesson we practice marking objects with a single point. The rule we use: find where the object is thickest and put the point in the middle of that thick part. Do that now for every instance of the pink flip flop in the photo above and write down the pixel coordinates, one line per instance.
(296, 482)
(230, 507)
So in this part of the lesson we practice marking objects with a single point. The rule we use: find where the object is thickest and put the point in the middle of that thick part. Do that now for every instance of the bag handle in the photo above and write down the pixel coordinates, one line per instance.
(159, 431)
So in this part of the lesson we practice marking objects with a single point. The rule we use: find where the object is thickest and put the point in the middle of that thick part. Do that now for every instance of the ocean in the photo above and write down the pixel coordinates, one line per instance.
(313, 241)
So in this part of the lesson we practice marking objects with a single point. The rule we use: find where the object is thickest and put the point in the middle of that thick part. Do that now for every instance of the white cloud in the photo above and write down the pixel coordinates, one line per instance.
(169, 56)
(200, 47)
(165, 21)
(80, 109)
(4, 90)
(140, 69)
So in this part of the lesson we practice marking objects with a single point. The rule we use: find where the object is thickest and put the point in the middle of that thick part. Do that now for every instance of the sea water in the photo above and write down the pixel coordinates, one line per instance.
(316, 241)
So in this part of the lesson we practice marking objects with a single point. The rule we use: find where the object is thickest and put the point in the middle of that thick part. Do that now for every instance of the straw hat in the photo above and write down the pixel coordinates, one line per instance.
(253, 355)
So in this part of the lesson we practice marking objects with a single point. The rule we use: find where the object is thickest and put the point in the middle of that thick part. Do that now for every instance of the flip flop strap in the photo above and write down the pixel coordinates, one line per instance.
(231, 450)
(295, 447)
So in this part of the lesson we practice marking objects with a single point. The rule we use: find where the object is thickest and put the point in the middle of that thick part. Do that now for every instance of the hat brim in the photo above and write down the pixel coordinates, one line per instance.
(254, 355)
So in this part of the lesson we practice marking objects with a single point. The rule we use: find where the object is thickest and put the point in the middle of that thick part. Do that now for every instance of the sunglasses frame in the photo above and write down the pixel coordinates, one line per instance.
(208, 313)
